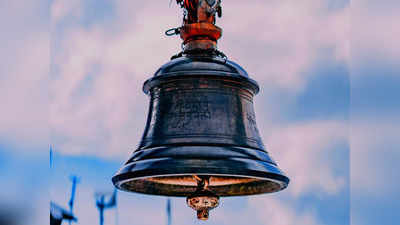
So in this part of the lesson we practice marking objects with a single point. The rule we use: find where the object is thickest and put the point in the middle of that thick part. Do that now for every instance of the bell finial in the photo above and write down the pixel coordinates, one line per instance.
(198, 30)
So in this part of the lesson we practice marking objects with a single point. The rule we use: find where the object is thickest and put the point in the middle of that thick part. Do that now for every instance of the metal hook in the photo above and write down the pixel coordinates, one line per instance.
(173, 31)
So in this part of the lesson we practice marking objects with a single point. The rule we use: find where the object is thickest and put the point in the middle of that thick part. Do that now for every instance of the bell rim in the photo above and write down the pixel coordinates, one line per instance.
(278, 177)
(283, 184)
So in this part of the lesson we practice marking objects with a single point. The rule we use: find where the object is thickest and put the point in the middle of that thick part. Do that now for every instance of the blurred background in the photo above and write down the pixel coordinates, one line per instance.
(71, 74)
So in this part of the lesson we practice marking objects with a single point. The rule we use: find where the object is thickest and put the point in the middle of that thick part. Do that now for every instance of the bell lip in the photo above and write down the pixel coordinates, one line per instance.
(222, 152)
(271, 173)
(118, 182)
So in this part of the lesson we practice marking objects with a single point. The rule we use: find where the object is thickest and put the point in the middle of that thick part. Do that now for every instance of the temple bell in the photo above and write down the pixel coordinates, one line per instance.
(201, 140)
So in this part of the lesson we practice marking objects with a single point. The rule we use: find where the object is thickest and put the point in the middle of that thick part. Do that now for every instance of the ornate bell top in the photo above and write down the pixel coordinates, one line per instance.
(198, 30)
(194, 65)
(201, 65)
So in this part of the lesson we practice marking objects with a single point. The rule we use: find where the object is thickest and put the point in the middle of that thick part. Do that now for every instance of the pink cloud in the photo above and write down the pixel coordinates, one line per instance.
(282, 39)
(374, 33)
(373, 144)
(300, 148)
(61, 9)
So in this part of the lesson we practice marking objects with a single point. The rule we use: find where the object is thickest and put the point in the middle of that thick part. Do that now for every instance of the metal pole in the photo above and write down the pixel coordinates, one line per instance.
(101, 210)
(101, 216)
(116, 208)
(71, 201)
(168, 211)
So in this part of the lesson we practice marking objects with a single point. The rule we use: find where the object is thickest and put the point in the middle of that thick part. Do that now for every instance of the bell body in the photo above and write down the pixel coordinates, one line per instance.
(201, 121)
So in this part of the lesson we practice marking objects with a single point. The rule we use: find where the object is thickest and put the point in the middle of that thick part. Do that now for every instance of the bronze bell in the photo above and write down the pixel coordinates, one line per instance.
(201, 139)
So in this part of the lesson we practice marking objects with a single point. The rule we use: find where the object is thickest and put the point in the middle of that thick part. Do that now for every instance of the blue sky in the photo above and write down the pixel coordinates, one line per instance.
(327, 110)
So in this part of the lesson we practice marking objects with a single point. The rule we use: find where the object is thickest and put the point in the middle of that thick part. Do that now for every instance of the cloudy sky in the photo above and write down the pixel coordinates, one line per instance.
(71, 76)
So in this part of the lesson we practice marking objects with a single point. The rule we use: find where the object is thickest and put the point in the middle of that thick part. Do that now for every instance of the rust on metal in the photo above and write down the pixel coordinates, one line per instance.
(202, 200)
(198, 30)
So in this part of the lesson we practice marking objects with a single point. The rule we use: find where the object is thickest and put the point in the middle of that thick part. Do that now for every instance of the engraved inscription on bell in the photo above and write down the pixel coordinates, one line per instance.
(195, 111)
(188, 110)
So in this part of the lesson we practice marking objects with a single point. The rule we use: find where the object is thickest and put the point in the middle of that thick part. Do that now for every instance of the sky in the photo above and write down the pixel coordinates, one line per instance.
(71, 77)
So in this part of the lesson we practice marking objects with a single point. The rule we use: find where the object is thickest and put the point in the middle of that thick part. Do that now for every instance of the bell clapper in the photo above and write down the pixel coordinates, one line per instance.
(202, 200)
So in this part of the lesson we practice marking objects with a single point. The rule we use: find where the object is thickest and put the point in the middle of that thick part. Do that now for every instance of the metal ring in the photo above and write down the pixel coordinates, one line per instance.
(172, 31)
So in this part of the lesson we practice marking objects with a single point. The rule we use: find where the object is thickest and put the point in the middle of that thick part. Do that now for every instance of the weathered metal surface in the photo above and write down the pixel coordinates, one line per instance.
(203, 200)
(201, 139)
(201, 121)
(198, 30)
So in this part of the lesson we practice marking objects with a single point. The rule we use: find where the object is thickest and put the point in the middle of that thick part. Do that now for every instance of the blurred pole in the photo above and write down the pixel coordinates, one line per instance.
(116, 208)
(51, 157)
(102, 203)
(169, 219)
(101, 210)
(74, 180)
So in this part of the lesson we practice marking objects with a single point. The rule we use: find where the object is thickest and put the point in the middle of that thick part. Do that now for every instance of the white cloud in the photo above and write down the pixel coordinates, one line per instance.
(61, 9)
(97, 105)
(374, 150)
(374, 34)
(277, 41)
(24, 76)
(301, 149)
(374, 167)
(274, 211)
